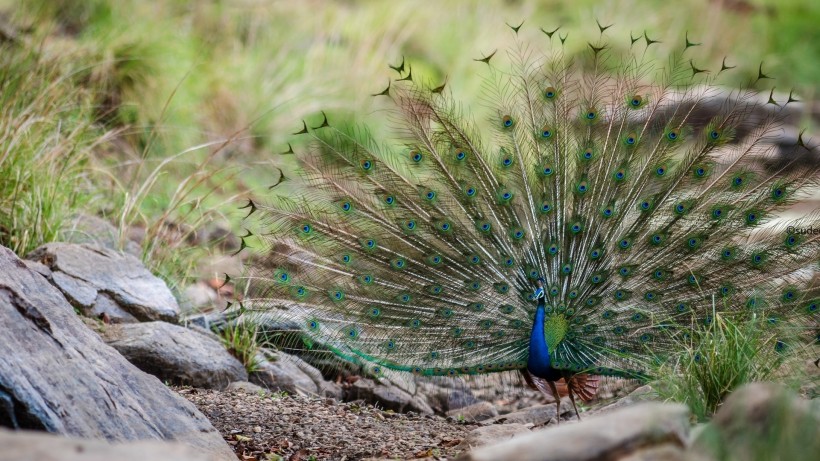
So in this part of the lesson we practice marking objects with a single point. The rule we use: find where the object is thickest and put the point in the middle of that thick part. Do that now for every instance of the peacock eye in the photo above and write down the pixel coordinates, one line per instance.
(507, 121)
(714, 134)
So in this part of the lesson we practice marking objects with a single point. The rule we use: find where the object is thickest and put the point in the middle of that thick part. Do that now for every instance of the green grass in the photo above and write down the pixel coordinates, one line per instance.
(711, 361)
(242, 339)
(47, 134)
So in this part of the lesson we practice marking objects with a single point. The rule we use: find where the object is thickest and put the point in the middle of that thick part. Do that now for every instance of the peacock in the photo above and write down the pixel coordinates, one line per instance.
(608, 202)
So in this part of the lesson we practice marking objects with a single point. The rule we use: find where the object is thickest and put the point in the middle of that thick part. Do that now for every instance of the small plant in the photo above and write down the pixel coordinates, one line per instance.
(716, 358)
(241, 339)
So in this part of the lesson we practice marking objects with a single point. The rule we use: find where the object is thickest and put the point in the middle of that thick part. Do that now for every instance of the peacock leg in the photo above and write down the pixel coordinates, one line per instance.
(572, 398)
(557, 398)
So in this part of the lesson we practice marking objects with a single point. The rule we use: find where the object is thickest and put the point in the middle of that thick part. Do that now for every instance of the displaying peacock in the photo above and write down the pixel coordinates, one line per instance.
(610, 202)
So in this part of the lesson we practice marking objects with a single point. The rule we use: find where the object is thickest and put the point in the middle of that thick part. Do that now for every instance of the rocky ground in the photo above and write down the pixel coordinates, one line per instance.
(262, 426)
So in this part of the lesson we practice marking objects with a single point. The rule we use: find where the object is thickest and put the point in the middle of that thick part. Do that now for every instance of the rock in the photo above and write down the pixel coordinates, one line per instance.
(210, 322)
(386, 396)
(246, 387)
(644, 393)
(623, 432)
(488, 435)
(199, 297)
(664, 452)
(443, 396)
(283, 374)
(97, 231)
(475, 412)
(57, 375)
(292, 374)
(538, 415)
(176, 354)
(29, 445)
(95, 278)
(761, 421)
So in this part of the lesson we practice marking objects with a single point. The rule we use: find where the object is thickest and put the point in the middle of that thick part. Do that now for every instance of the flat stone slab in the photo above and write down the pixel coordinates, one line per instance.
(30, 445)
(623, 432)
(101, 280)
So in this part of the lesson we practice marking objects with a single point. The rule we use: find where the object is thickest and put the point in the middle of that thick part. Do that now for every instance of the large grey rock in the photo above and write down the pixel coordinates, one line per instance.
(101, 280)
(176, 354)
(38, 446)
(57, 375)
(624, 432)
(387, 396)
(761, 421)
(292, 374)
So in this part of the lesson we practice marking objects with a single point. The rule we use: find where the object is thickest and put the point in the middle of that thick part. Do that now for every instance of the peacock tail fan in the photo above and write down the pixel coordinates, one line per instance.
(644, 193)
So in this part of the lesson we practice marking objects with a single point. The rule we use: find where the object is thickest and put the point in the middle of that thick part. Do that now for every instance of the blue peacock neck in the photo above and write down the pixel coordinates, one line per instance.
(539, 363)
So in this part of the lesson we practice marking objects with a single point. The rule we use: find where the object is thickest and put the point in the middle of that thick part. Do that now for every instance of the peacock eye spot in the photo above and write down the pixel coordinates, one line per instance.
(507, 162)
(660, 171)
(679, 208)
(546, 133)
(587, 155)
(700, 171)
(547, 170)
(608, 212)
(630, 140)
(430, 195)
(507, 121)
(738, 181)
(507, 195)
(591, 115)
(714, 134)
(692, 242)
(619, 175)
(645, 205)
(417, 157)
(460, 155)
(672, 135)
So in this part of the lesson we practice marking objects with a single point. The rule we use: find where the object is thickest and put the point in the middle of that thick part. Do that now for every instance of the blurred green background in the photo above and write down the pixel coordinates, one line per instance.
(161, 114)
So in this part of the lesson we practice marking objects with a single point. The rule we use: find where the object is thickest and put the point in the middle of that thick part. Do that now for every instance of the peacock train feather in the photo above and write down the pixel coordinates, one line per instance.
(640, 192)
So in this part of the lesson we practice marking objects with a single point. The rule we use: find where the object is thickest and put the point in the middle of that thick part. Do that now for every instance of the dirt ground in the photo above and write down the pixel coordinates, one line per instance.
(295, 428)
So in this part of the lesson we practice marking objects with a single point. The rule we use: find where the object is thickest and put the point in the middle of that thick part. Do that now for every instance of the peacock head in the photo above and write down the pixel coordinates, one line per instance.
(540, 282)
